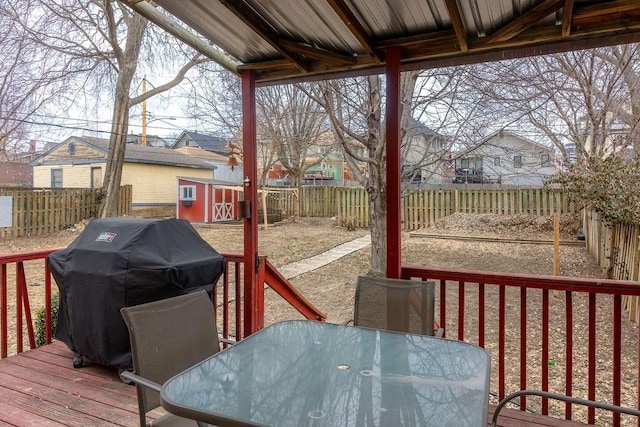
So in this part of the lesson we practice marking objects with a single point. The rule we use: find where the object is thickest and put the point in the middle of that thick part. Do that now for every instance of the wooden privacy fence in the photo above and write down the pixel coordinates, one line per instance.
(615, 246)
(421, 208)
(47, 210)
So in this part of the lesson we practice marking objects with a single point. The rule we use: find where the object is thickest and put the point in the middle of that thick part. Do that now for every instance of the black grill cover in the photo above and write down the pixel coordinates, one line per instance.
(119, 262)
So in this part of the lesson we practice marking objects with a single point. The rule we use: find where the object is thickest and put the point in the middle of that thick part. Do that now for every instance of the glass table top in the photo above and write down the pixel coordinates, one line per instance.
(305, 373)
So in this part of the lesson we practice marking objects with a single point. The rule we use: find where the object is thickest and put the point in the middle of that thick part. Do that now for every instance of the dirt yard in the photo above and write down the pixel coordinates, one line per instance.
(331, 288)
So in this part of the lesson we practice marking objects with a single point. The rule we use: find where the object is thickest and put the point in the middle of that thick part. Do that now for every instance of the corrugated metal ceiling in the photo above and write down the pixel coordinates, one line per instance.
(292, 39)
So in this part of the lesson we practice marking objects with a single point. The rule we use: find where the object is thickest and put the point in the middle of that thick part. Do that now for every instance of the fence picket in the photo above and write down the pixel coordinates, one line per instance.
(46, 210)
(422, 208)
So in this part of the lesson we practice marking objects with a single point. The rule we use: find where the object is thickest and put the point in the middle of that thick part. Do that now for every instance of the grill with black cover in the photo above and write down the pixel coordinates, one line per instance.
(120, 262)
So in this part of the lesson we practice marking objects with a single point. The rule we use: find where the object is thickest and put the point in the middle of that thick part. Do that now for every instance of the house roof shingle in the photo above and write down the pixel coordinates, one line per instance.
(142, 154)
(212, 143)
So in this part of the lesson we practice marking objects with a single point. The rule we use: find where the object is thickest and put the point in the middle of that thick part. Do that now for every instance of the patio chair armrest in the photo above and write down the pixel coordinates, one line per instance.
(561, 397)
(137, 379)
(226, 341)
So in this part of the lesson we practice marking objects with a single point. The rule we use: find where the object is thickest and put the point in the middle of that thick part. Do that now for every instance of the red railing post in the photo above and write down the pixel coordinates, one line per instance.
(460, 311)
(617, 354)
(481, 315)
(502, 322)
(569, 352)
(47, 302)
(5, 308)
(591, 370)
(545, 349)
(523, 346)
(19, 290)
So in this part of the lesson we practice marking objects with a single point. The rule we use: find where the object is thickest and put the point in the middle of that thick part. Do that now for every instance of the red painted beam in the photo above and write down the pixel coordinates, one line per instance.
(393, 114)
(250, 166)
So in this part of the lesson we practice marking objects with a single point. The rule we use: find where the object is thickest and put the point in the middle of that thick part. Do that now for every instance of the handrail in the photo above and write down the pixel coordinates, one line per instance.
(583, 300)
(22, 298)
(276, 281)
(247, 319)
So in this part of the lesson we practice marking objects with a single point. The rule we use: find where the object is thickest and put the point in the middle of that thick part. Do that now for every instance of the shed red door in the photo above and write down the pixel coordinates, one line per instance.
(223, 207)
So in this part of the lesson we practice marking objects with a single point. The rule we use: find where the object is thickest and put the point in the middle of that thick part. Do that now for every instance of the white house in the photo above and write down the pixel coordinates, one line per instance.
(509, 159)
(425, 155)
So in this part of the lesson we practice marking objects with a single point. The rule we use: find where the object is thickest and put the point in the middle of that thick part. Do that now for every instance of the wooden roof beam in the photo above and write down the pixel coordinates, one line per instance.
(602, 13)
(317, 53)
(446, 37)
(567, 14)
(525, 21)
(458, 25)
(262, 28)
(356, 28)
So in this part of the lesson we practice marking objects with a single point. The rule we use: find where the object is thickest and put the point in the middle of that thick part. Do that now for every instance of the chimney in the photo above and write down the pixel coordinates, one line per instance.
(32, 146)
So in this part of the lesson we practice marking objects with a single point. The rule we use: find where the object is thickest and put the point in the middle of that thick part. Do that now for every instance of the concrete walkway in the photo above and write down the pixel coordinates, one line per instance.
(295, 269)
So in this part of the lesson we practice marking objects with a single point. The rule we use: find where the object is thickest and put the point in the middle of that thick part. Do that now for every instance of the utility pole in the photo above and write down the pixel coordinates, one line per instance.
(144, 114)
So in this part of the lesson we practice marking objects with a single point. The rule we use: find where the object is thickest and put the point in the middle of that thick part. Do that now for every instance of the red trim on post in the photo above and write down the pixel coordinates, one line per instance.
(4, 335)
(393, 115)
(461, 310)
(249, 167)
(569, 352)
(523, 346)
(617, 354)
(591, 369)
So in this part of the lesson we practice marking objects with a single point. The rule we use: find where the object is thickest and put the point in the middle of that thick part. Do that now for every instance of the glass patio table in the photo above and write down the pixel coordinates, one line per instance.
(307, 373)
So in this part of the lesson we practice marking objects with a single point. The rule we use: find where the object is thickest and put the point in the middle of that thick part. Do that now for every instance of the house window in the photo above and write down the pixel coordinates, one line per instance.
(96, 177)
(496, 161)
(464, 163)
(545, 160)
(72, 148)
(187, 192)
(56, 178)
(517, 161)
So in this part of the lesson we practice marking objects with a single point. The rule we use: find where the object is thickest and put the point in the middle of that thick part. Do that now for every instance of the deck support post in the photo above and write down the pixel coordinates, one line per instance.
(250, 221)
(393, 165)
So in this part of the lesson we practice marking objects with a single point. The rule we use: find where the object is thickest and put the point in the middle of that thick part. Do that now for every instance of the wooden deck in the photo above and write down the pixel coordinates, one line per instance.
(41, 388)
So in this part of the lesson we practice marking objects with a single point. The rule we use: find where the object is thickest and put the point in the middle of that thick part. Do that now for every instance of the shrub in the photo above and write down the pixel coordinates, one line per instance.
(40, 321)
(610, 186)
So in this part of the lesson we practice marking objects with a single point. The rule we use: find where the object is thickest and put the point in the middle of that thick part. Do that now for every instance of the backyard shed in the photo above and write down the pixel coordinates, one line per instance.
(207, 200)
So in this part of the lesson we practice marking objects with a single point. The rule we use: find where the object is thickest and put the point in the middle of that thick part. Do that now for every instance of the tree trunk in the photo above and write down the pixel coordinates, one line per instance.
(378, 227)
(115, 159)
(128, 63)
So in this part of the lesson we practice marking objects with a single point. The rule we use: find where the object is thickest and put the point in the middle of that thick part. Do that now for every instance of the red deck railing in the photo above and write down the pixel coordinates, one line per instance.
(534, 308)
(560, 334)
(235, 318)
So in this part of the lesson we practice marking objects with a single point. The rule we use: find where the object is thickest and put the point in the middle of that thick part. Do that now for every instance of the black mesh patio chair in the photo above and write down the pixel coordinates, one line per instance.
(167, 337)
(396, 305)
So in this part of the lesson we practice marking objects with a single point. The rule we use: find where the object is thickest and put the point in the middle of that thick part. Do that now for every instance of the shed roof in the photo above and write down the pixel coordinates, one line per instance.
(288, 40)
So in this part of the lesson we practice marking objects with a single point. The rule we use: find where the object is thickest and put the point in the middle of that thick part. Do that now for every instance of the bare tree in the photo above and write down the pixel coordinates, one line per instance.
(289, 123)
(106, 41)
(29, 80)
(293, 123)
(355, 109)
(588, 98)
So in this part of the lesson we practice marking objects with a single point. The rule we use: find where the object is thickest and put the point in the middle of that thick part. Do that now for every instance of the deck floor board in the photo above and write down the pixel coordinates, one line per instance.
(41, 388)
